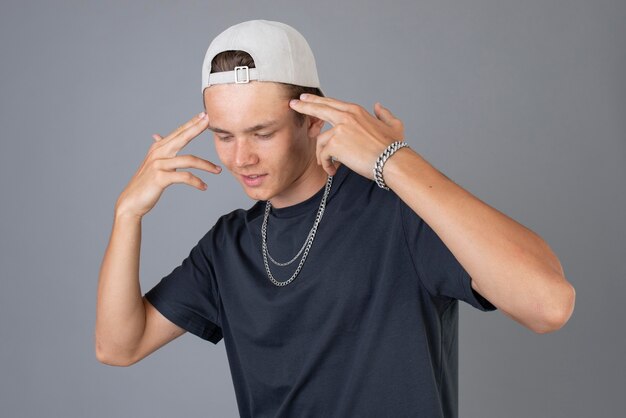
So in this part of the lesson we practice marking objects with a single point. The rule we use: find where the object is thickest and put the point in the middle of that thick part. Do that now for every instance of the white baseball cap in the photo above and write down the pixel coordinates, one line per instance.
(280, 54)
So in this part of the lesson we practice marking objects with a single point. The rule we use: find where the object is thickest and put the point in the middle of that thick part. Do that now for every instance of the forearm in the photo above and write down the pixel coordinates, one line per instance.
(120, 314)
(509, 264)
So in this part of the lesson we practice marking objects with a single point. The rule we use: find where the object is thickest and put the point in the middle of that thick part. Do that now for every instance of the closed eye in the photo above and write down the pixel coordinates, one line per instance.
(264, 136)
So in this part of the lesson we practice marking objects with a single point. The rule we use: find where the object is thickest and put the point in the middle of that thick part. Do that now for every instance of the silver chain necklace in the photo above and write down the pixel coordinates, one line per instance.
(305, 247)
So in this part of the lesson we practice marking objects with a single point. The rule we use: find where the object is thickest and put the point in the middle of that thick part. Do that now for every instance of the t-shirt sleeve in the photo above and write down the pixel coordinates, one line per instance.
(438, 269)
(189, 296)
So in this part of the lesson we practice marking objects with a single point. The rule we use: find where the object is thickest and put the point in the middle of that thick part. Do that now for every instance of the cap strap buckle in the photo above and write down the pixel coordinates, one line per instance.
(247, 74)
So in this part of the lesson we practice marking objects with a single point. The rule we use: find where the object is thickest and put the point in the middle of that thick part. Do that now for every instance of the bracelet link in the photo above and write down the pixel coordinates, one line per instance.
(380, 162)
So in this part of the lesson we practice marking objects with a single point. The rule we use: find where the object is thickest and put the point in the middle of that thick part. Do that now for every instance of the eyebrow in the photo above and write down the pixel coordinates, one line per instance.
(254, 128)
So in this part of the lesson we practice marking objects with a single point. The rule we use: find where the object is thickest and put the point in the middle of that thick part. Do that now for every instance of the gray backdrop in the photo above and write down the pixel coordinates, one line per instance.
(521, 103)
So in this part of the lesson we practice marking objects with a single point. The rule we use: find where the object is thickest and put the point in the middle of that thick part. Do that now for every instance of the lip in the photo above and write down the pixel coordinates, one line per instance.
(253, 182)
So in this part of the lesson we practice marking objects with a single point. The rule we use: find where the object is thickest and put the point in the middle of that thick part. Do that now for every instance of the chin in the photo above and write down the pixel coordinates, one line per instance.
(257, 194)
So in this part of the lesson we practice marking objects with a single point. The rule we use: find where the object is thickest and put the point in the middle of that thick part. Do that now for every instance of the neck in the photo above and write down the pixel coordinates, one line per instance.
(305, 186)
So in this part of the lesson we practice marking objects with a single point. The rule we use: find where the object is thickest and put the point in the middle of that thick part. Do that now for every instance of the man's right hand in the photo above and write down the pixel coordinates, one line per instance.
(158, 169)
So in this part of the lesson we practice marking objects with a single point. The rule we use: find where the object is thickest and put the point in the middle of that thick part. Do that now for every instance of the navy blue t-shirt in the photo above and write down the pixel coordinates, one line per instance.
(368, 328)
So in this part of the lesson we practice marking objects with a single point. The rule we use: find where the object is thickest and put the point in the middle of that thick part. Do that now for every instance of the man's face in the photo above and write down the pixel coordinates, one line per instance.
(255, 134)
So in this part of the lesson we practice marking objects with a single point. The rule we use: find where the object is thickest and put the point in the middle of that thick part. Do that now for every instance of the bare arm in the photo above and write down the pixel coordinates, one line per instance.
(123, 317)
(128, 328)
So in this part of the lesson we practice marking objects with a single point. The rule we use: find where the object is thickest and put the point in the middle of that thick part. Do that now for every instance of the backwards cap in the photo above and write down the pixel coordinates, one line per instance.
(280, 54)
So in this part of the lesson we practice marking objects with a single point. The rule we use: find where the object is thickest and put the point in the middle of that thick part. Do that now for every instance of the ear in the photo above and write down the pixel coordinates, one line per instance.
(314, 125)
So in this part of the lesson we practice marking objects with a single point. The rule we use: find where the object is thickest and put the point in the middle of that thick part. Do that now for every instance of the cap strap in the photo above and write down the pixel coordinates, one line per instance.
(242, 74)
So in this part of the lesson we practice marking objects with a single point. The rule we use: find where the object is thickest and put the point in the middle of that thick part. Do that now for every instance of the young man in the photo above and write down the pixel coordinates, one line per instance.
(337, 292)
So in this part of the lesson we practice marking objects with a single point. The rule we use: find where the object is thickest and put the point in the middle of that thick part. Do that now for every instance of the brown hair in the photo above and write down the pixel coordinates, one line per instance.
(228, 60)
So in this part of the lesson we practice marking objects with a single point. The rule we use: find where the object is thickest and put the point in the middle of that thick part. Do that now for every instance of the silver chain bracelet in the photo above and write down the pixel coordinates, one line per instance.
(380, 162)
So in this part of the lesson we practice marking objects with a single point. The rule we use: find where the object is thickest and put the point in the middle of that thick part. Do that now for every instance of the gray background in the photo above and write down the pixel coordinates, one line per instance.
(521, 103)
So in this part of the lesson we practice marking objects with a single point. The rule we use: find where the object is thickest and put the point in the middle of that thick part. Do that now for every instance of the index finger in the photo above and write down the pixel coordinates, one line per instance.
(338, 104)
(186, 133)
(319, 110)
(184, 126)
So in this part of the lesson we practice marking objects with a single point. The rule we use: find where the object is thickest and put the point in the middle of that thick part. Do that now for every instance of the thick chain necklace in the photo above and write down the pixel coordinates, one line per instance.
(305, 247)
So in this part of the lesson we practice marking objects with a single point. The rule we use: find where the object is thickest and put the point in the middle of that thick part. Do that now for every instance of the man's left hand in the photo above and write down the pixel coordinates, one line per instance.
(356, 138)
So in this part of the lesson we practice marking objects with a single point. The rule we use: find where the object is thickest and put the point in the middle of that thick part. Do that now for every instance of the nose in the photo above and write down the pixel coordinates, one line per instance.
(244, 154)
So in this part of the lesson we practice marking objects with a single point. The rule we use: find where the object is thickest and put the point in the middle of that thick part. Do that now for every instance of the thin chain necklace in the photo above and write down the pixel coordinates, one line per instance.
(305, 247)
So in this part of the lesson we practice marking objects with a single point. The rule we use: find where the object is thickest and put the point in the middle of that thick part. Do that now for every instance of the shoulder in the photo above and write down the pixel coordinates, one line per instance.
(232, 224)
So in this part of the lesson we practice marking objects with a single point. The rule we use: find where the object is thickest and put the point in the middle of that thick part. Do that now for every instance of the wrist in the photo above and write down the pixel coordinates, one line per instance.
(405, 164)
(122, 213)
(381, 161)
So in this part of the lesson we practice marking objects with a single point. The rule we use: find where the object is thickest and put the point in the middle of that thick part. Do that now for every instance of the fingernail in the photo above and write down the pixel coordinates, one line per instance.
(204, 186)
(218, 168)
(304, 96)
(201, 115)
(293, 102)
